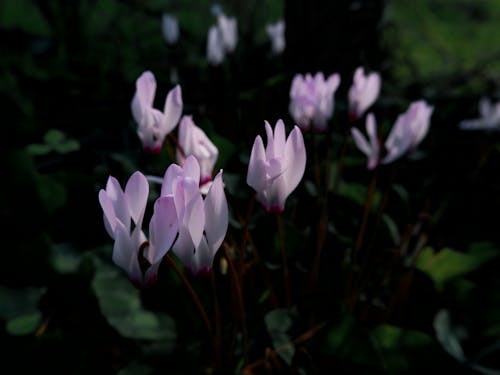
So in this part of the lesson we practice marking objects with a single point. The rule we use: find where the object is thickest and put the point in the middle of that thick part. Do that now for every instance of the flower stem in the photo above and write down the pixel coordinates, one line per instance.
(217, 338)
(286, 276)
(191, 292)
(239, 297)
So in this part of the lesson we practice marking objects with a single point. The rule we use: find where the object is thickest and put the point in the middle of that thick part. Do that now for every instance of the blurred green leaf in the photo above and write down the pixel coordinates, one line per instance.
(38, 149)
(52, 193)
(447, 264)
(19, 302)
(278, 322)
(121, 305)
(64, 258)
(53, 137)
(23, 15)
(136, 368)
(447, 335)
(24, 324)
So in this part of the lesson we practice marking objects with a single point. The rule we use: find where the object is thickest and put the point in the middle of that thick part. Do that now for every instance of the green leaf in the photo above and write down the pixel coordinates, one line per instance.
(52, 192)
(65, 259)
(121, 305)
(70, 145)
(24, 324)
(448, 264)
(447, 335)
(53, 137)
(36, 149)
(23, 15)
(278, 322)
(19, 302)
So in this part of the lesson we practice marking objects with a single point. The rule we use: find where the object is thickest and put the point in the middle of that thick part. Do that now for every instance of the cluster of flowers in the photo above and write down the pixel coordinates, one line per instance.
(222, 37)
(312, 106)
(193, 227)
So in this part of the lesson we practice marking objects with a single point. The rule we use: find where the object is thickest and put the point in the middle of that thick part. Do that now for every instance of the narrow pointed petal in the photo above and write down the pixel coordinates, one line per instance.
(144, 95)
(136, 193)
(162, 229)
(295, 159)
(192, 168)
(256, 172)
(173, 109)
(360, 141)
(171, 174)
(279, 138)
(216, 214)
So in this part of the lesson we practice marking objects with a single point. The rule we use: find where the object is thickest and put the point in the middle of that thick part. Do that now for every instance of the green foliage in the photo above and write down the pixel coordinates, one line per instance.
(447, 264)
(278, 323)
(19, 308)
(121, 305)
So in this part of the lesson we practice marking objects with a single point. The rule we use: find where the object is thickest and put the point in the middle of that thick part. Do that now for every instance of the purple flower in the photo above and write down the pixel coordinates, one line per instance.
(276, 34)
(312, 100)
(194, 141)
(154, 125)
(274, 172)
(489, 120)
(370, 148)
(363, 92)
(123, 216)
(202, 223)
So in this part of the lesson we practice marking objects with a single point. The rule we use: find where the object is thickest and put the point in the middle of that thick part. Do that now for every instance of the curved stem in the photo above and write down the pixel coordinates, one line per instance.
(191, 292)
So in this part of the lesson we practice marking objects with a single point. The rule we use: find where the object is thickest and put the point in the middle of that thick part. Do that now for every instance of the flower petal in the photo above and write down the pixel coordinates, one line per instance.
(216, 214)
(162, 229)
(136, 194)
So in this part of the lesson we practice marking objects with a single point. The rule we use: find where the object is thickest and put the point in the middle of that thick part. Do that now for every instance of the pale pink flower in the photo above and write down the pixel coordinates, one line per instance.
(363, 93)
(275, 171)
(202, 223)
(312, 100)
(276, 34)
(123, 216)
(222, 39)
(409, 130)
(154, 125)
(489, 120)
(170, 28)
(371, 146)
(194, 141)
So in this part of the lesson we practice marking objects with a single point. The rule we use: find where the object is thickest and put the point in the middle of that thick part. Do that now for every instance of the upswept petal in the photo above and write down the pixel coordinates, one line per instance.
(173, 171)
(270, 152)
(162, 229)
(216, 214)
(279, 138)
(256, 175)
(360, 141)
(172, 110)
(191, 168)
(189, 206)
(126, 251)
(295, 159)
(144, 95)
(136, 194)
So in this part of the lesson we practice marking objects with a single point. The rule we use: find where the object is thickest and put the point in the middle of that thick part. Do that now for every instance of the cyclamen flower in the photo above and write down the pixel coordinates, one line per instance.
(170, 28)
(406, 134)
(370, 148)
(363, 92)
(274, 172)
(312, 100)
(409, 130)
(489, 120)
(194, 141)
(202, 223)
(123, 217)
(154, 125)
(222, 39)
(276, 33)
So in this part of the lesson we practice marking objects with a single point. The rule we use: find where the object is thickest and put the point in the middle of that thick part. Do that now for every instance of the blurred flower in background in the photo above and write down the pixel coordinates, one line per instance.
(170, 28)
(312, 100)
(276, 33)
(371, 146)
(364, 91)
(489, 120)
(222, 38)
